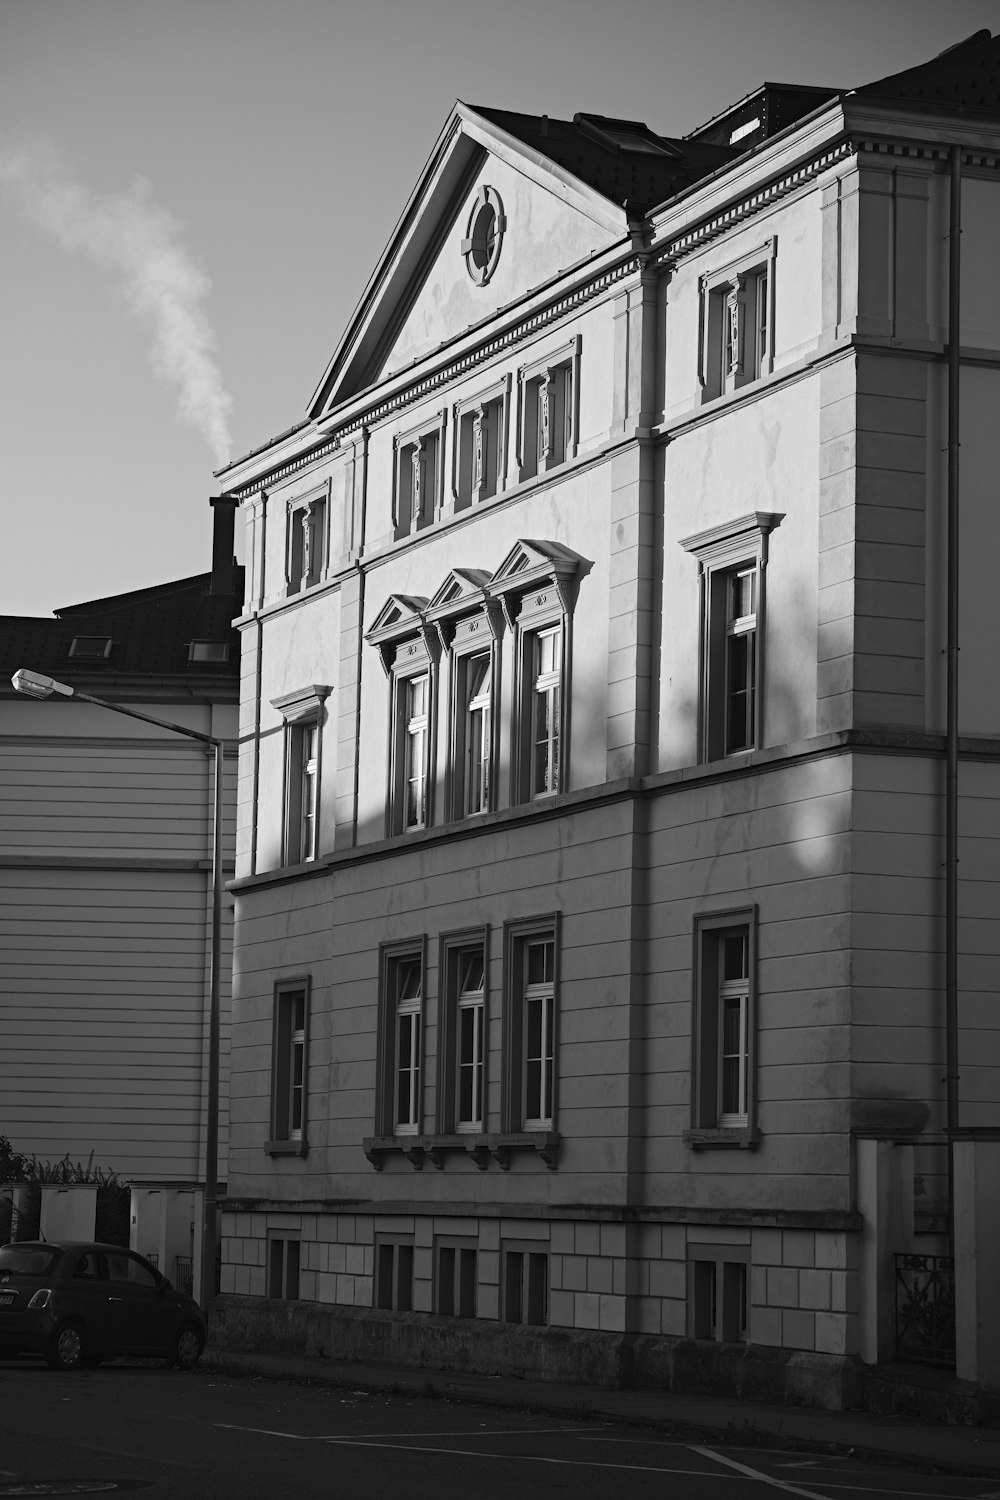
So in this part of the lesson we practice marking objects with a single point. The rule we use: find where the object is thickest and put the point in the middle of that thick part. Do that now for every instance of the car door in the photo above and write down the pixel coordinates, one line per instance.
(84, 1294)
(140, 1317)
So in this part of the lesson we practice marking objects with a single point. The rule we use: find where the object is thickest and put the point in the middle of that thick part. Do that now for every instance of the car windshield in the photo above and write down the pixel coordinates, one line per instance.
(28, 1260)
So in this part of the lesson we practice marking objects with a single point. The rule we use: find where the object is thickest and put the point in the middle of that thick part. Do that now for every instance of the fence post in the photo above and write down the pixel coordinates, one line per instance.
(977, 1248)
(885, 1202)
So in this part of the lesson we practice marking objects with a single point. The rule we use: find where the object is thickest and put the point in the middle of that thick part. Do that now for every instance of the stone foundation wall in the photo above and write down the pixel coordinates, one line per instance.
(425, 1341)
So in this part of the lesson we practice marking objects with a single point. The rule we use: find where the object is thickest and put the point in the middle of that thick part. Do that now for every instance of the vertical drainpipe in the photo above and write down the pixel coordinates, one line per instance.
(952, 648)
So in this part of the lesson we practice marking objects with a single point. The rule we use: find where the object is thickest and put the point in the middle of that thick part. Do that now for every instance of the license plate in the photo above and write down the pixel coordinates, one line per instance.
(6, 1298)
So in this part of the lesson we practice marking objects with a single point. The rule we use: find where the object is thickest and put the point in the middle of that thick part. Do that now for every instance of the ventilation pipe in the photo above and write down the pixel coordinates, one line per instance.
(952, 647)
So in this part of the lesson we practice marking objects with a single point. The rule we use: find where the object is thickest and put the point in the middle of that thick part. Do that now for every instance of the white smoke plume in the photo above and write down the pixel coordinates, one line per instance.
(130, 235)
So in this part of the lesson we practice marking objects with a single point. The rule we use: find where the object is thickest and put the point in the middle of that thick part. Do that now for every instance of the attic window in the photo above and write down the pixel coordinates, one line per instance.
(484, 235)
(625, 135)
(742, 130)
(208, 651)
(91, 647)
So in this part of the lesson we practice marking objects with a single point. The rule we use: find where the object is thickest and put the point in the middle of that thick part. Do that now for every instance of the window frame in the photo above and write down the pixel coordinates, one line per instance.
(286, 1138)
(518, 1259)
(283, 1268)
(553, 378)
(392, 956)
(723, 553)
(307, 520)
(736, 322)
(469, 643)
(394, 1258)
(710, 1125)
(476, 474)
(718, 1293)
(517, 937)
(303, 712)
(425, 444)
(456, 1276)
(452, 947)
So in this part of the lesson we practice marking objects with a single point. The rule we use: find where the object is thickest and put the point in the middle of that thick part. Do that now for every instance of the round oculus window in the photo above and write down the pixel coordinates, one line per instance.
(484, 235)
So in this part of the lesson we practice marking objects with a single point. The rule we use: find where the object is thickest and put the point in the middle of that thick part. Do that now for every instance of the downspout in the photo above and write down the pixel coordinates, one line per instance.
(952, 649)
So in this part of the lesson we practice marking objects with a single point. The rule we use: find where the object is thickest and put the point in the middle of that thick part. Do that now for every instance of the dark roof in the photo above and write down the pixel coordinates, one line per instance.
(963, 80)
(623, 160)
(150, 630)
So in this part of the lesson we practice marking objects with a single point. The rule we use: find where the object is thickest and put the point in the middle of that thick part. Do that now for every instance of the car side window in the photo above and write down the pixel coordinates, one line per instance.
(125, 1267)
(88, 1267)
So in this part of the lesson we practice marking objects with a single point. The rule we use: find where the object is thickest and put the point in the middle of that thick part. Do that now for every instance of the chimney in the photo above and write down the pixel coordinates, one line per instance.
(223, 532)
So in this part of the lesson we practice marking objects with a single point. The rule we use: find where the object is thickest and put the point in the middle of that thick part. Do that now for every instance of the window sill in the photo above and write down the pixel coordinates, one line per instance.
(418, 1149)
(723, 1138)
(286, 1148)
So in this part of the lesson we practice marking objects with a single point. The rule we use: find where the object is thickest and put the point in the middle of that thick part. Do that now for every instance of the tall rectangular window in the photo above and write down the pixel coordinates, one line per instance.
(289, 1068)
(409, 1001)
(302, 792)
(462, 1033)
(546, 711)
(399, 1084)
(304, 713)
(724, 1010)
(416, 702)
(733, 561)
(477, 687)
(740, 708)
(528, 1101)
(539, 1019)
(734, 1009)
(471, 1048)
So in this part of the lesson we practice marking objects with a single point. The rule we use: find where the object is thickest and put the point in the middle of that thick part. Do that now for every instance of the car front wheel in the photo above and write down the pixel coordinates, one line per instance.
(66, 1348)
(185, 1351)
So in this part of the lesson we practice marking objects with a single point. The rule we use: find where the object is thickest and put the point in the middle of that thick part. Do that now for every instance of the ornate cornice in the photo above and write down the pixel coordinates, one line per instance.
(711, 228)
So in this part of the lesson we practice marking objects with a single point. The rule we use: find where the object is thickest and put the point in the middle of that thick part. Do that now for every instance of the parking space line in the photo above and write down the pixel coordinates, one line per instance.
(779, 1484)
(327, 1437)
(527, 1458)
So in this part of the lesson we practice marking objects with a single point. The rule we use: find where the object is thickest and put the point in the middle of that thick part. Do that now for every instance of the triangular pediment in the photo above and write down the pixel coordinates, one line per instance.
(531, 560)
(491, 220)
(460, 586)
(399, 615)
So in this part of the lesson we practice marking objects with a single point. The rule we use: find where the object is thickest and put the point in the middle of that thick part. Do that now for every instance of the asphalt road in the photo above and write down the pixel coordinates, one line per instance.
(139, 1427)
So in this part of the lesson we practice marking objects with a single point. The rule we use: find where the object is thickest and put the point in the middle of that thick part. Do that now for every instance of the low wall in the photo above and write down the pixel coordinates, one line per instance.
(577, 1357)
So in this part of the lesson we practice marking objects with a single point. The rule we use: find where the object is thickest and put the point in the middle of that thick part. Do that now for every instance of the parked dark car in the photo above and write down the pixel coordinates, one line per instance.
(78, 1303)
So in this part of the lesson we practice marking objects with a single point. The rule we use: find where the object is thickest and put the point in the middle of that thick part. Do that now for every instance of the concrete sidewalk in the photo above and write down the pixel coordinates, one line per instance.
(959, 1450)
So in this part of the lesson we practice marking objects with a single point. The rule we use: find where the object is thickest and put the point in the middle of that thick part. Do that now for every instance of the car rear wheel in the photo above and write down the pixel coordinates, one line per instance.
(185, 1351)
(65, 1350)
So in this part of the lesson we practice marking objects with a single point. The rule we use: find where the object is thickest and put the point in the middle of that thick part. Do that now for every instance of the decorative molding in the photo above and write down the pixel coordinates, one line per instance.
(448, 372)
(710, 229)
(303, 704)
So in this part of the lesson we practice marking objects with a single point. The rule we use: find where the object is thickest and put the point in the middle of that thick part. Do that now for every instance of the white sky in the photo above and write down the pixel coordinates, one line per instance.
(286, 136)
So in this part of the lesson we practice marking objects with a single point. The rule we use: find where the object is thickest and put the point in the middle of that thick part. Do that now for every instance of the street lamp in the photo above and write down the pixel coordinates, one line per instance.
(37, 685)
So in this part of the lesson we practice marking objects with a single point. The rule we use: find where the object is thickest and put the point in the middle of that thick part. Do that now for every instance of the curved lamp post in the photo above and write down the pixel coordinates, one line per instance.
(37, 685)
